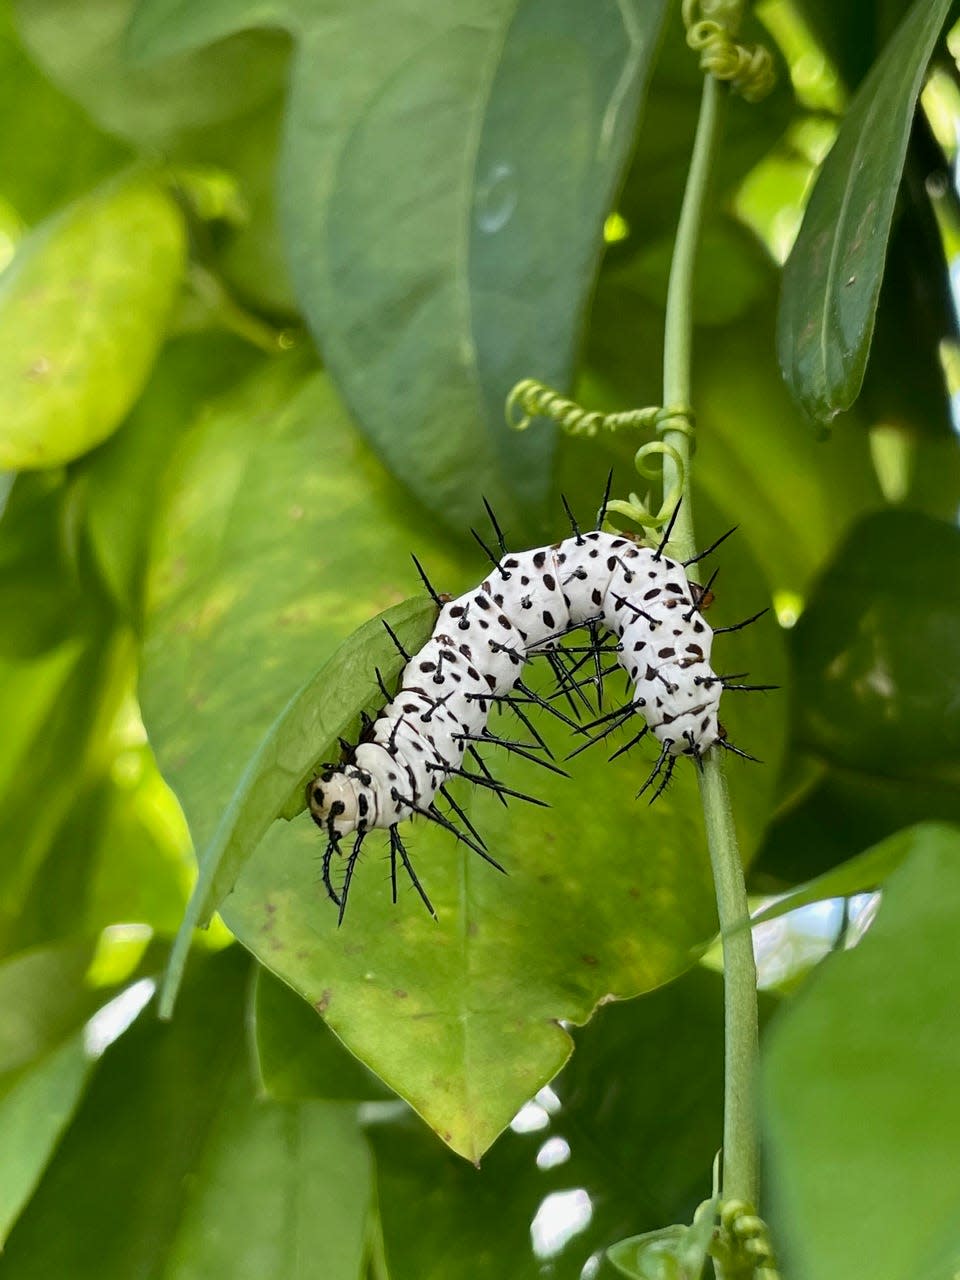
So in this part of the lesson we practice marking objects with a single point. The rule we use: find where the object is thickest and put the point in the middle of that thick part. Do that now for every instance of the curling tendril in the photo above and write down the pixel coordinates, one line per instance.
(531, 399)
(712, 27)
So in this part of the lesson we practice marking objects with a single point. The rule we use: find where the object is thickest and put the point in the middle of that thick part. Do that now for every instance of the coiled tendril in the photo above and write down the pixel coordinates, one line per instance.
(712, 27)
(531, 399)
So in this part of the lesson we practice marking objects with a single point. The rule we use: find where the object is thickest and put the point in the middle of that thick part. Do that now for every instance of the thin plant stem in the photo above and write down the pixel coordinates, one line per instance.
(739, 1178)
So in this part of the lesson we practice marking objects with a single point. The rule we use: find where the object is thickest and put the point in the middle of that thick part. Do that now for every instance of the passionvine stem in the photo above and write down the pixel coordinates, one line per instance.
(712, 31)
(739, 1177)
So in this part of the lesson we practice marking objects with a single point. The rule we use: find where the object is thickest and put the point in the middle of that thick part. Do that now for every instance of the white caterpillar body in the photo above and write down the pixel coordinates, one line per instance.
(477, 651)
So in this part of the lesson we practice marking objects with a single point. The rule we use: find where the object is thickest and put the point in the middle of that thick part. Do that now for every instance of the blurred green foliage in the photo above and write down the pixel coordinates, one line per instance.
(266, 276)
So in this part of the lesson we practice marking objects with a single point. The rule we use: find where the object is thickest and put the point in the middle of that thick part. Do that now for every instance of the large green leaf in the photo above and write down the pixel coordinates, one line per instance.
(876, 651)
(298, 1056)
(225, 587)
(859, 1090)
(623, 1143)
(173, 1169)
(832, 279)
(492, 105)
(83, 308)
(84, 55)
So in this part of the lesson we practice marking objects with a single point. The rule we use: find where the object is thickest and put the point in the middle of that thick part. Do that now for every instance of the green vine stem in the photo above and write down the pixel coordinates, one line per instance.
(739, 1178)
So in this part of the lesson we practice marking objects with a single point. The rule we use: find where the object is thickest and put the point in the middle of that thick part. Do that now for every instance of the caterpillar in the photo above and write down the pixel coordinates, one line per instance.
(474, 660)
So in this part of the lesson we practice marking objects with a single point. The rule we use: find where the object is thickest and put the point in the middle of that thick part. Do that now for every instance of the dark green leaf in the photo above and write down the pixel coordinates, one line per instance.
(298, 1056)
(859, 1090)
(866, 871)
(83, 308)
(494, 105)
(172, 1167)
(44, 601)
(832, 279)
(843, 814)
(876, 651)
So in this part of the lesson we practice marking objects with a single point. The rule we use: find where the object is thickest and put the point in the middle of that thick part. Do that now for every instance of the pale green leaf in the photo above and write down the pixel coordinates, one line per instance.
(83, 309)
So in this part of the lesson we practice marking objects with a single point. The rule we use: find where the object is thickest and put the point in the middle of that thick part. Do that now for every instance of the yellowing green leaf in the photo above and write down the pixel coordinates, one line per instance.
(83, 309)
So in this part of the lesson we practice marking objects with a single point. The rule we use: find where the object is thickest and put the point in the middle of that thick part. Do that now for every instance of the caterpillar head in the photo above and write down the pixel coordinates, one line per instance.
(333, 803)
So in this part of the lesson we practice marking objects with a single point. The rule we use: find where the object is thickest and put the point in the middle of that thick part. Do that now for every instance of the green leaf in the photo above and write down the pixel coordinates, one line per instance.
(43, 999)
(868, 870)
(35, 1107)
(190, 372)
(277, 536)
(85, 55)
(49, 150)
(83, 308)
(507, 100)
(876, 651)
(832, 279)
(306, 732)
(792, 496)
(859, 1095)
(194, 1176)
(623, 1142)
(844, 813)
(671, 1253)
(255, 578)
(298, 1056)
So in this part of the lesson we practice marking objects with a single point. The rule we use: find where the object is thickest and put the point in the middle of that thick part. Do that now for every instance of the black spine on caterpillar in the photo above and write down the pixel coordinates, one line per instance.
(478, 648)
